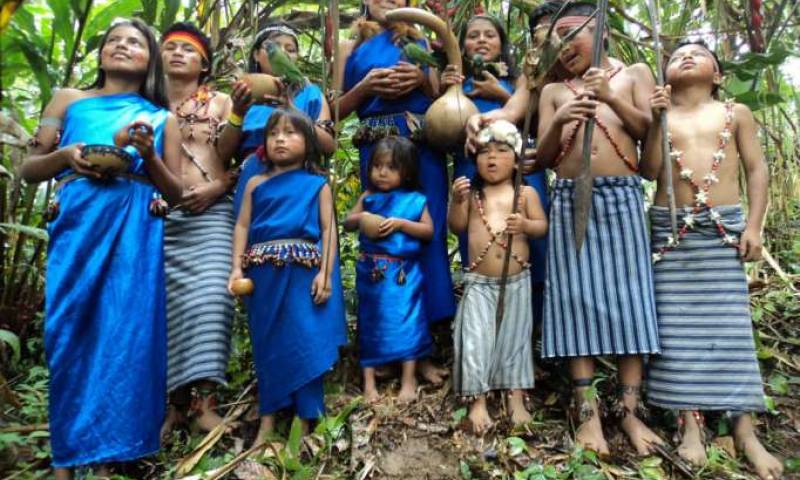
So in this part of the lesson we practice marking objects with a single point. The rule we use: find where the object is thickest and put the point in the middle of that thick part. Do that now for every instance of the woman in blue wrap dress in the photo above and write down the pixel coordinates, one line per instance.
(392, 321)
(105, 327)
(285, 242)
(308, 100)
(387, 92)
(484, 35)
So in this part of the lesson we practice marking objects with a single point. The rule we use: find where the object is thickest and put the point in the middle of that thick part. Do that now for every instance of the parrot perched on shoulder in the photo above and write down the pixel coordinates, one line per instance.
(419, 56)
(283, 67)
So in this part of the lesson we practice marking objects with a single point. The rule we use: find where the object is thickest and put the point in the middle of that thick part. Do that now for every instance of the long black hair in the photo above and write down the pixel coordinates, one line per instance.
(153, 86)
(505, 45)
(312, 161)
(405, 159)
(271, 31)
(205, 74)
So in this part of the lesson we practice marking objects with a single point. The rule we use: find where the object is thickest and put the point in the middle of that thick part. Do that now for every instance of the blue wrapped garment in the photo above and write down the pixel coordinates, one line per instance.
(308, 100)
(294, 341)
(105, 326)
(380, 52)
(392, 323)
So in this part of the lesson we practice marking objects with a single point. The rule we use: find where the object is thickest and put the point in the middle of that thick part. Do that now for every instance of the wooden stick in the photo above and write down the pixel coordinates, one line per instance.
(666, 160)
(583, 183)
(334, 12)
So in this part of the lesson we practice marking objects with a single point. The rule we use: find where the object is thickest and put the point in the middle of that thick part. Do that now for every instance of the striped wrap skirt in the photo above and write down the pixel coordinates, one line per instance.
(599, 300)
(486, 359)
(708, 357)
(197, 251)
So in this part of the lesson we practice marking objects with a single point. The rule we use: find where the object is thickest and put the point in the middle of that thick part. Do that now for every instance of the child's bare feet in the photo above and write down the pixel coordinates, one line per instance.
(479, 416)
(264, 429)
(431, 373)
(371, 394)
(408, 382)
(589, 434)
(692, 447)
(640, 435)
(203, 407)
(516, 405)
(172, 418)
(767, 466)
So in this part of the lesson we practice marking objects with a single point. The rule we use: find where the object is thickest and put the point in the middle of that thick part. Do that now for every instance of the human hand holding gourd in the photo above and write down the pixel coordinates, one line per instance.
(236, 274)
(450, 76)
(139, 134)
(242, 98)
(73, 158)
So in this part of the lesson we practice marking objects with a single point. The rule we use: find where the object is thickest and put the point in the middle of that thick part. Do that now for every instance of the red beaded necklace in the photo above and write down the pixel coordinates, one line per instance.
(496, 238)
(573, 134)
(199, 113)
(702, 198)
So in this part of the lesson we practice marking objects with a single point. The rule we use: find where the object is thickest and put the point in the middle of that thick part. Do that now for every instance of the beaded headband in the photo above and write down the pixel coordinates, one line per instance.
(282, 29)
(501, 131)
(187, 37)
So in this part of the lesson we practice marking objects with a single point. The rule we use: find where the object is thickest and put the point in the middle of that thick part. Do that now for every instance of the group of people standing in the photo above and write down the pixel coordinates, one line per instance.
(142, 265)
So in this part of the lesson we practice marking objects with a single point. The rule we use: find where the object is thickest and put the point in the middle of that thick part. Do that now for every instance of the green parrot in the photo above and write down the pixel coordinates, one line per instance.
(283, 67)
(419, 56)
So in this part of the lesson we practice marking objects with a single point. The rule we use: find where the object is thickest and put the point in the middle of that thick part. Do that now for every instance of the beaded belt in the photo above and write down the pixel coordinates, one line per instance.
(283, 251)
(380, 263)
(372, 129)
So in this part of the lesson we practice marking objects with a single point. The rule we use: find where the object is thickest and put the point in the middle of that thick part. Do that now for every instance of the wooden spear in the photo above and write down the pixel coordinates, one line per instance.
(583, 183)
(662, 119)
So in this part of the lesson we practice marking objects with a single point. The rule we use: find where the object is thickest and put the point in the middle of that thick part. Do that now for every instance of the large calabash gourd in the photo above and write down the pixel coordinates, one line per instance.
(446, 119)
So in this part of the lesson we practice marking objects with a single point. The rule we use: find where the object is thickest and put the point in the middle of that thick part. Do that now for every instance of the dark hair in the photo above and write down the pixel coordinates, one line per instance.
(404, 158)
(153, 86)
(701, 43)
(312, 161)
(547, 9)
(267, 33)
(365, 8)
(204, 41)
(477, 182)
(583, 9)
(505, 47)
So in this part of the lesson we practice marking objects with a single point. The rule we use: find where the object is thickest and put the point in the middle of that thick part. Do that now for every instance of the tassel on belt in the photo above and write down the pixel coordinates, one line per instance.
(282, 252)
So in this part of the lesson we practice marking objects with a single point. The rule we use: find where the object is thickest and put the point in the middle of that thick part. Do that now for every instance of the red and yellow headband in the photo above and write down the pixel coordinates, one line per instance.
(187, 37)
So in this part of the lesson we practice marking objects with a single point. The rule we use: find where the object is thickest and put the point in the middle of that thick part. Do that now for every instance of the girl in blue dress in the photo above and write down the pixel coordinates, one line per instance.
(395, 224)
(389, 95)
(285, 241)
(105, 326)
(490, 81)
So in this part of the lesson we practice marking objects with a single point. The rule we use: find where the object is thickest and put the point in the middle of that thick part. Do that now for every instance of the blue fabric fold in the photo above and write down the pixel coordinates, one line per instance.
(105, 326)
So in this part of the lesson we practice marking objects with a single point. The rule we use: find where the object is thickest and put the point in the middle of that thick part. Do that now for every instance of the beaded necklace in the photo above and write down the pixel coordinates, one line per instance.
(199, 113)
(496, 239)
(702, 198)
(573, 134)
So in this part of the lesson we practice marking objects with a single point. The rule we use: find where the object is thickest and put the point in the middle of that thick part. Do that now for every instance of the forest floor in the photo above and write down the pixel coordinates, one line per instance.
(429, 439)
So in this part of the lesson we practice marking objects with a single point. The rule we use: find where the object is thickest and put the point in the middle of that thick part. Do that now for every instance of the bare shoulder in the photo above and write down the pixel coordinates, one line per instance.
(552, 91)
(346, 47)
(639, 71)
(63, 98)
(742, 112)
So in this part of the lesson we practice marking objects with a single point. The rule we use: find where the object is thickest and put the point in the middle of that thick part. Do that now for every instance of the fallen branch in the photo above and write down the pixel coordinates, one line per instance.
(26, 428)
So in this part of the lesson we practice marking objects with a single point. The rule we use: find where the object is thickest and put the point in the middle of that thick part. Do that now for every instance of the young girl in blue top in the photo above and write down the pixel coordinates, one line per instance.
(392, 321)
(285, 242)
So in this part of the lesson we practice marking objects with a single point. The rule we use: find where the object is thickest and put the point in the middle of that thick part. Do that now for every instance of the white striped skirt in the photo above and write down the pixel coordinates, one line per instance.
(197, 251)
(599, 301)
(708, 357)
(486, 359)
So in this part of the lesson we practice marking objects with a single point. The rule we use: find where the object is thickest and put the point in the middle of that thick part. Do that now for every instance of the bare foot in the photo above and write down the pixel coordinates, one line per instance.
(640, 435)
(266, 427)
(692, 448)
(767, 466)
(516, 405)
(431, 373)
(589, 435)
(172, 418)
(408, 392)
(208, 420)
(62, 473)
(102, 471)
(371, 396)
(479, 416)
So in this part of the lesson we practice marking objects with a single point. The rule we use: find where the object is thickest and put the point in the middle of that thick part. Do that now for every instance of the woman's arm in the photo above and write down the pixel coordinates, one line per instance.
(325, 138)
(321, 286)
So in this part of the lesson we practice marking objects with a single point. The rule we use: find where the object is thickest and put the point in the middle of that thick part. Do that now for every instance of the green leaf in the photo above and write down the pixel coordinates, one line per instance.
(35, 232)
(516, 446)
(464, 469)
(295, 436)
(100, 20)
(168, 13)
(792, 464)
(779, 384)
(459, 415)
(62, 22)
(769, 403)
(8, 337)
